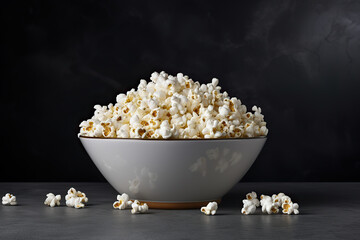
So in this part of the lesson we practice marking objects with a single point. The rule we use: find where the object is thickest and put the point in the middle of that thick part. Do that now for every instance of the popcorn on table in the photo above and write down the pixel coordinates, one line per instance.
(268, 206)
(280, 198)
(75, 198)
(9, 199)
(138, 207)
(52, 200)
(248, 208)
(210, 208)
(250, 203)
(289, 208)
(175, 107)
(123, 202)
(253, 198)
(272, 204)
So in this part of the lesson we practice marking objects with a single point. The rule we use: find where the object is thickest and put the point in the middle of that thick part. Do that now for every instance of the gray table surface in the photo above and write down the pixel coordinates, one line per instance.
(327, 211)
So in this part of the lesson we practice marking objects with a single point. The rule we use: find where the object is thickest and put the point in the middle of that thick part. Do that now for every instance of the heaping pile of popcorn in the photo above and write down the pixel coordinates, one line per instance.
(175, 107)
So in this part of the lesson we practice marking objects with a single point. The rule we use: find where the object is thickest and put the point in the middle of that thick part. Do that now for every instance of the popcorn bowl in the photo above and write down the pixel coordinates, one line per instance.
(173, 174)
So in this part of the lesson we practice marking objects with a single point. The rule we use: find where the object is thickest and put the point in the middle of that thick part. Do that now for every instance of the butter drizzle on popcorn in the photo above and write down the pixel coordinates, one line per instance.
(175, 107)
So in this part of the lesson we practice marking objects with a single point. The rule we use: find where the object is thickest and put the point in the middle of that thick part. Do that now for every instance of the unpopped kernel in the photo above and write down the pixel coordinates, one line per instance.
(171, 107)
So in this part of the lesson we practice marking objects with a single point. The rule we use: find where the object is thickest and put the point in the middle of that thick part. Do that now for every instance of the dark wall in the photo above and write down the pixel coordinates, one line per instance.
(298, 60)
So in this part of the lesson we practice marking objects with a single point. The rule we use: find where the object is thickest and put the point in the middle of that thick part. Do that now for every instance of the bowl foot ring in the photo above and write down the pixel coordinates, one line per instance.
(178, 205)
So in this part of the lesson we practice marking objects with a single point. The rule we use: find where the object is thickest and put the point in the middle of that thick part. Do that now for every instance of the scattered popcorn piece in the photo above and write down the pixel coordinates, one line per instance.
(253, 198)
(138, 207)
(9, 199)
(123, 202)
(210, 208)
(171, 107)
(249, 207)
(267, 205)
(289, 208)
(75, 198)
(52, 200)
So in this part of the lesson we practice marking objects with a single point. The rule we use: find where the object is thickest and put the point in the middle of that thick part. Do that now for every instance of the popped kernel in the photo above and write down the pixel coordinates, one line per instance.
(123, 202)
(52, 200)
(211, 208)
(253, 198)
(289, 208)
(9, 199)
(268, 206)
(248, 207)
(138, 207)
(75, 198)
(280, 198)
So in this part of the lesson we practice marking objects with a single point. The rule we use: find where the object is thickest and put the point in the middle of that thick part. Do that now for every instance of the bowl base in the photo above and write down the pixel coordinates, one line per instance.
(178, 205)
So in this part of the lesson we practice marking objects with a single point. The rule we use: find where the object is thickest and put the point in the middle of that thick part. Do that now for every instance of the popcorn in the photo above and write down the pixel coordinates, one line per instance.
(123, 131)
(138, 207)
(280, 198)
(165, 130)
(286, 204)
(285, 199)
(171, 107)
(78, 203)
(75, 198)
(250, 203)
(52, 200)
(249, 207)
(268, 206)
(9, 199)
(123, 201)
(289, 208)
(224, 111)
(253, 198)
(210, 208)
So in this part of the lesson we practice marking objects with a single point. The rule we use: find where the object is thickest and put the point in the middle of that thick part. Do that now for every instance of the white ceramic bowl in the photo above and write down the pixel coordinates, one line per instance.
(173, 173)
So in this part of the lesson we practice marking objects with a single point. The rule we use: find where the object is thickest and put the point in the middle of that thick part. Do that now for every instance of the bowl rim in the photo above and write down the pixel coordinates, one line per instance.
(174, 140)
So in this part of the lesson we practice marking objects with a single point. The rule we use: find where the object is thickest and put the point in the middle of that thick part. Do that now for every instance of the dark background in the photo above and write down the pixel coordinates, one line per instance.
(298, 60)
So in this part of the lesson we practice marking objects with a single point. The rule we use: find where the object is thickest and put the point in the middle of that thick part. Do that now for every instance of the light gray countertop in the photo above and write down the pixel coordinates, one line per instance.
(327, 211)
